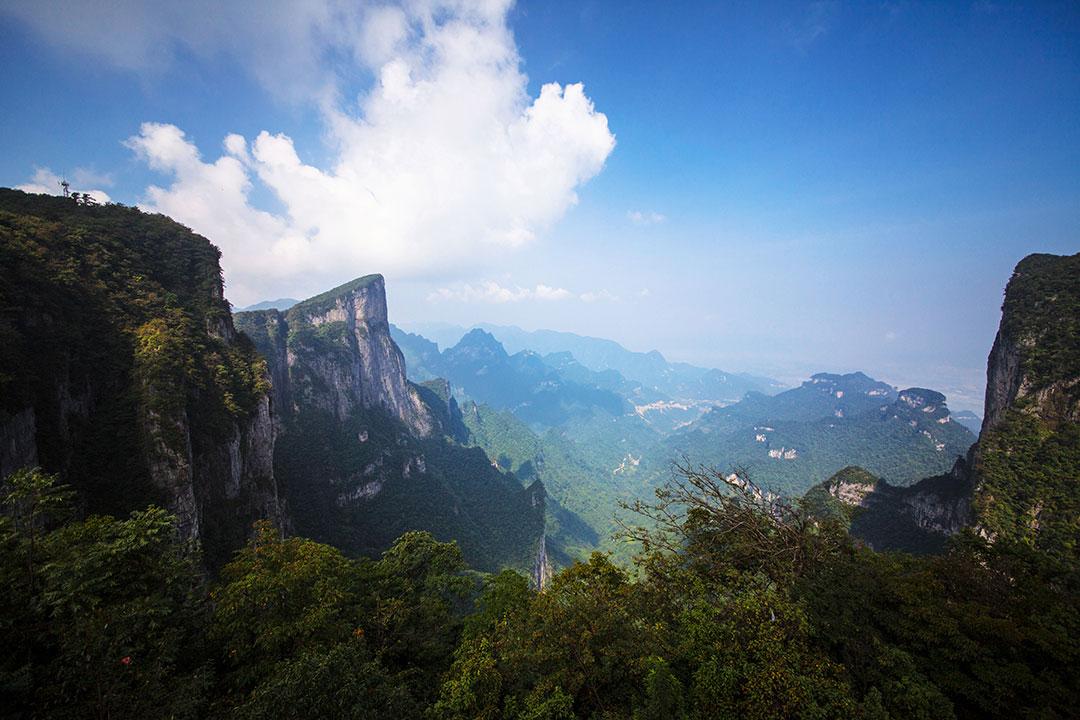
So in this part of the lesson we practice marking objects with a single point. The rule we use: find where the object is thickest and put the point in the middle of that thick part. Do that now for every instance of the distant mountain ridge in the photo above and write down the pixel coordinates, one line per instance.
(790, 441)
(676, 380)
(279, 304)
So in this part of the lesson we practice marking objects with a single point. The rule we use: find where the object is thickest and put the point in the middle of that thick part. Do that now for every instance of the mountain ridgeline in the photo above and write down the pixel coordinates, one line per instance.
(123, 370)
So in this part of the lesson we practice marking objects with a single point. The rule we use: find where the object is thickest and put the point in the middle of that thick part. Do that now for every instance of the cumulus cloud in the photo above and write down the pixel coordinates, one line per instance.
(46, 182)
(645, 218)
(444, 161)
(598, 296)
(492, 292)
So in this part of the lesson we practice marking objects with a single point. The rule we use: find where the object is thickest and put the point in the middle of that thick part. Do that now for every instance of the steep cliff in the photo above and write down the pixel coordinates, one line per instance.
(918, 518)
(120, 369)
(1021, 481)
(364, 455)
(1026, 466)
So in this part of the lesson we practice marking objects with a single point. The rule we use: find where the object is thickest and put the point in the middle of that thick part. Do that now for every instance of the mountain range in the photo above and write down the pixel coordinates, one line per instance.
(132, 379)
(595, 437)
(680, 381)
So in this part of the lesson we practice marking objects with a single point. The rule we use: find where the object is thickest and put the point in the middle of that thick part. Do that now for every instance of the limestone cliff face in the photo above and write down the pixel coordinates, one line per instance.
(1034, 364)
(216, 483)
(1025, 469)
(334, 352)
(364, 455)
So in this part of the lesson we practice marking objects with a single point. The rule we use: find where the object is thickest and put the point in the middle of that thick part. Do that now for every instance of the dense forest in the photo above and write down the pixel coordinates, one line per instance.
(740, 605)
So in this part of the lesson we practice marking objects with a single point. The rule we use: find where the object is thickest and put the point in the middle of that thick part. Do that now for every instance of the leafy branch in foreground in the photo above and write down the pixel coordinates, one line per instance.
(725, 522)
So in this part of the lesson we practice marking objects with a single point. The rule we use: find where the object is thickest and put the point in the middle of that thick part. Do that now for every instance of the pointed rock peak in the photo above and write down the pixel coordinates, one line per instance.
(479, 340)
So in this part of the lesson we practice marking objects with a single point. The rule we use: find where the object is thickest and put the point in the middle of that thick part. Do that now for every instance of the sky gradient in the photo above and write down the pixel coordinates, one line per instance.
(775, 188)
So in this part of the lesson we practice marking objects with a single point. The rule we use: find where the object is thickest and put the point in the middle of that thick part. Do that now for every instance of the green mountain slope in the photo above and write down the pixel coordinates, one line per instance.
(801, 437)
(1027, 464)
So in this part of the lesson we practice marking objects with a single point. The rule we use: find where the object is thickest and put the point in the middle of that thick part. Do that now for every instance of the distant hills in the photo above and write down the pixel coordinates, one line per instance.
(675, 380)
(594, 436)
(803, 436)
(279, 304)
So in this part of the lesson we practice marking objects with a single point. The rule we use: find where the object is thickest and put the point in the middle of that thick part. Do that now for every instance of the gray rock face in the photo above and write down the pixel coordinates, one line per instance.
(334, 352)
(216, 484)
(917, 518)
(1003, 380)
(18, 444)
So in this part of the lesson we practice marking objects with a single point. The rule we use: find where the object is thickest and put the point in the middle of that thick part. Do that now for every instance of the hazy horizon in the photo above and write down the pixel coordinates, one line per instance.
(769, 188)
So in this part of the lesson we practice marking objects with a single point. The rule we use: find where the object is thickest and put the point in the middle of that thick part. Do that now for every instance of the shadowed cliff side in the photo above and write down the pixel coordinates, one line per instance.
(120, 369)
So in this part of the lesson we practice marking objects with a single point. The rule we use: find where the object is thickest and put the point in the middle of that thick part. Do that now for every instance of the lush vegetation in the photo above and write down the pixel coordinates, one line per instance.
(114, 330)
(1028, 462)
(741, 605)
(1030, 491)
(1041, 314)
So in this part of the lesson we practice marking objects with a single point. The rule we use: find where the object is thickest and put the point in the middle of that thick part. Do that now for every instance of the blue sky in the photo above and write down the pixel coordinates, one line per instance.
(771, 187)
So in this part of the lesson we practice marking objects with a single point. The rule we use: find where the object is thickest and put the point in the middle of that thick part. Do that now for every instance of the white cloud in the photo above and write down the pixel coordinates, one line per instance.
(46, 182)
(444, 162)
(492, 292)
(598, 296)
(645, 218)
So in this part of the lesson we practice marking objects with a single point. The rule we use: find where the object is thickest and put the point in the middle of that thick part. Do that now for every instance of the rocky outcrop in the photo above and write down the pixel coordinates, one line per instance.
(365, 455)
(918, 518)
(334, 352)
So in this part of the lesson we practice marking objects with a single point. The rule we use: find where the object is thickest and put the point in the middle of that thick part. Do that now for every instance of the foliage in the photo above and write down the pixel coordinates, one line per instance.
(1029, 487)
(113, 329)
(743, 606)
(103, 617)
(1041, 315)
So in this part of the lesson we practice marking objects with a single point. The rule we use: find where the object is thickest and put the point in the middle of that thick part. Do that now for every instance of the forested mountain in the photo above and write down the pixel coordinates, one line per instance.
(120, 369)
(803, 436)
(595, 438)
(364, 455)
